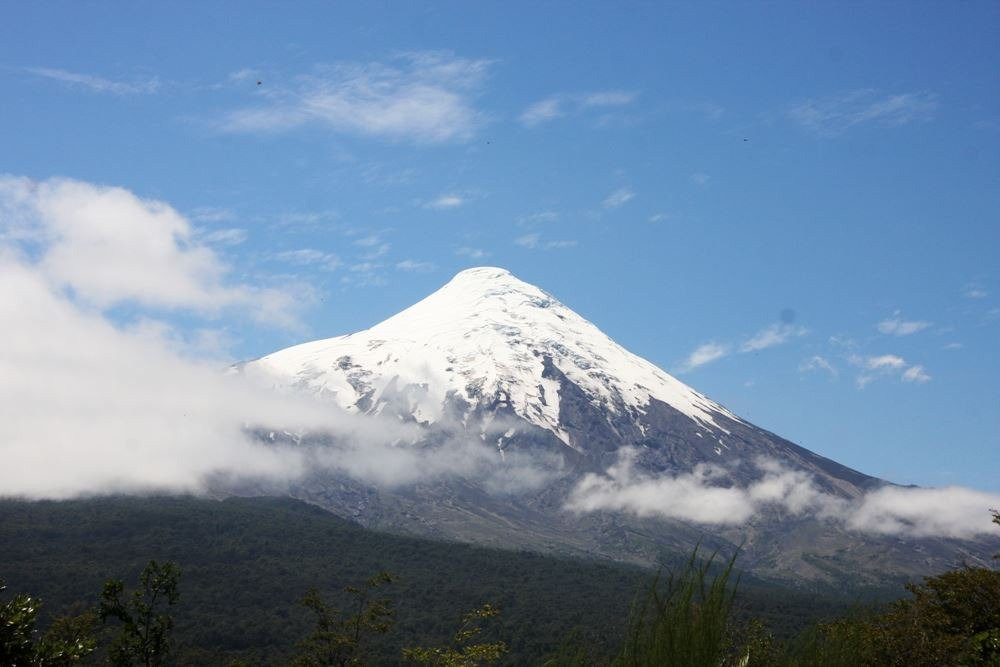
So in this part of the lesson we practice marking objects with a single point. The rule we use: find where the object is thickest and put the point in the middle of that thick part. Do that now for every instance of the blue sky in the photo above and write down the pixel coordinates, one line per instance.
(793, 207)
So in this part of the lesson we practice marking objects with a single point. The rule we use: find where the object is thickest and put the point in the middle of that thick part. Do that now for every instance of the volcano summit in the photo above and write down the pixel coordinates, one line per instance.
(625, 460)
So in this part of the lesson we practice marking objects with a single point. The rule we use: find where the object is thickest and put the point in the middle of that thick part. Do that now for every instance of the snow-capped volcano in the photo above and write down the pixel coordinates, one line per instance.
(569, 418)
(485, 339)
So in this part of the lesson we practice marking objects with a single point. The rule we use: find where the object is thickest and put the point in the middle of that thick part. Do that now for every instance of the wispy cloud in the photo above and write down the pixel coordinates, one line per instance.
(883, 362)
(98, 84)
(770, 336)
(558, 106)
(776, 334)
(423, 97)
(446, 201)
(228, 236)
(974, 291)
(324, 261)
(705, 354)
(618, 198)
(542, 112)
(896, 326)
(700, 179)
(537, 218)
(364, 274)
(211, 214)
(607, 98)
(535, 242)
(658, 217)
(886, 365)
(305, 218)
(374, 247)
(471, 253)
(915, 374)
(414, 265)
(839, 113)
(818, 363)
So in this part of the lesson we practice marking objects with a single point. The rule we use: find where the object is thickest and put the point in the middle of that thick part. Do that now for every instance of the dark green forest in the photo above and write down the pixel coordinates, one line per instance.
(247, 564)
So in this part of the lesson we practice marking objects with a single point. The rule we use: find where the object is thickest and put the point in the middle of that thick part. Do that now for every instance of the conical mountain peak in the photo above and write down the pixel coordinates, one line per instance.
(485, 339)
(478, 273)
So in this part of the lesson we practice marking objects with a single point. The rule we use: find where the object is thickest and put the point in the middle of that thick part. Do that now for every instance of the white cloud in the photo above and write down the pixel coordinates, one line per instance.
(534, 242)
(305, 218)
(109, 246)
(770, 336)
(705, 495)
(899, 327)
(619, 198)
(887, 365)
(951, 511)
(776, 334)
(92, 408)
(368, 241)
(885, 361)
(704, 354)
(100, 410)
(839, 113)
(424, 97)
(558, 106)
(245, 74)
(413, 265)
(817, 362)
(542, 112)
(974, 291)
(537, 218)
(607, 98)
(99, 84)
(915, 374)
(658, 217)
(708, 495)
(229, 236)
(471, 253)
(211, 214)
(364, 274)
(528, 240)
(310, 257)
(447, 201)
(843, 342)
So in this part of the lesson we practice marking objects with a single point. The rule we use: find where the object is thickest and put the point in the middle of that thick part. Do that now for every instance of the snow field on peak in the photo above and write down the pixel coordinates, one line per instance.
(482, 337)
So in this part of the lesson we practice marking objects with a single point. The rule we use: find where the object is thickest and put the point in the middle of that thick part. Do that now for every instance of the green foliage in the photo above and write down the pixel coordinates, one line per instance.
(247, 562)
(573, 651)
(338, 639)
(69, 639)
(144, 637)
(17, 629)
(950, 619)
(684, 620)
(996, 520)
(462, 652)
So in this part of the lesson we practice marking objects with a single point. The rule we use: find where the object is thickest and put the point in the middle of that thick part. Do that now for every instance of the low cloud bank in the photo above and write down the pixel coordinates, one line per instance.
(706, 495)
(92, 408)
(92, 405)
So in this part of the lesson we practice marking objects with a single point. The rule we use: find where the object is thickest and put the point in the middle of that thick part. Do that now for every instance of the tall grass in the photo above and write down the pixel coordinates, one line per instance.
(684, 619)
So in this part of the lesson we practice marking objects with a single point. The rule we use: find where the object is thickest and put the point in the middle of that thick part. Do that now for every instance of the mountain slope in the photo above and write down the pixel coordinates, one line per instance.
(484, 338)
(492, 357)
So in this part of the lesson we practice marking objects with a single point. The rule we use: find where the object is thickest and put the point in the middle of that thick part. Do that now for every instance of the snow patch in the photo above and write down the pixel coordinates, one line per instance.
(484, 338)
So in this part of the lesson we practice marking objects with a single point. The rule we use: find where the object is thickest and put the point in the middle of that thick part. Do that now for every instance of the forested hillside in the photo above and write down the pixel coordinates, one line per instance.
(246, 563)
